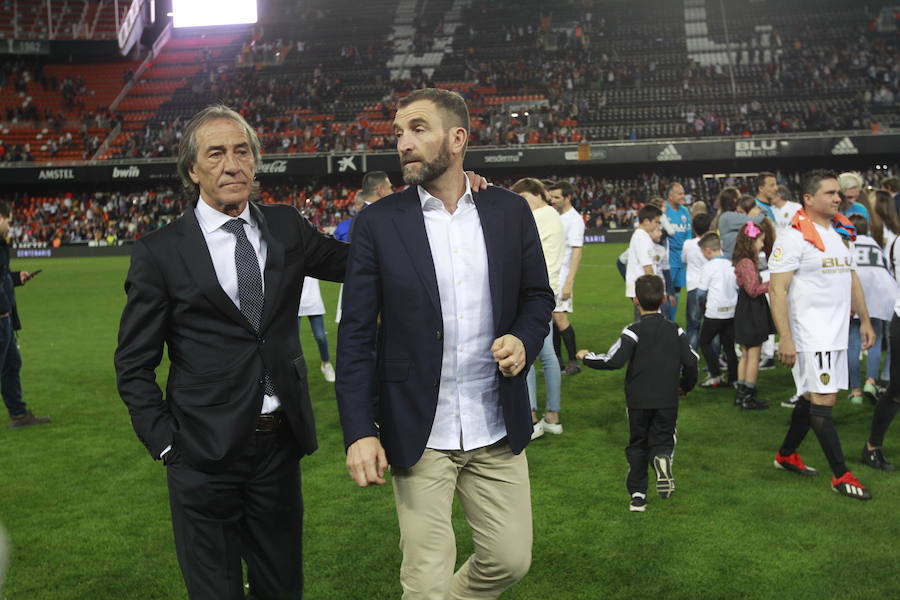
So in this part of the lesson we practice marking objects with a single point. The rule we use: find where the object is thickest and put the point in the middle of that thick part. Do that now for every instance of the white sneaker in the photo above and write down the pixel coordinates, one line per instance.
(554, 428)
(328, 372)
(538, 430)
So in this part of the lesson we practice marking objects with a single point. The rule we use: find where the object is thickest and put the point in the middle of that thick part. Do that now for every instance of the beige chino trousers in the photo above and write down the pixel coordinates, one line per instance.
(495, 494)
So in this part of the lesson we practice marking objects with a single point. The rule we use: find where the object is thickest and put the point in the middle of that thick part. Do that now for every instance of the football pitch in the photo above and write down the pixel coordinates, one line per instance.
(86, 508)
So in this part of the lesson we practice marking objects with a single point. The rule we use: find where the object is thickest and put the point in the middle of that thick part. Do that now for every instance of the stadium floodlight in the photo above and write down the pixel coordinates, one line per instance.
(203, 13)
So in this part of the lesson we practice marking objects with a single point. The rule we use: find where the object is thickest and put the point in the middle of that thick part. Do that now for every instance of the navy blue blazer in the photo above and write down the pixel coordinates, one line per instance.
(390, 341)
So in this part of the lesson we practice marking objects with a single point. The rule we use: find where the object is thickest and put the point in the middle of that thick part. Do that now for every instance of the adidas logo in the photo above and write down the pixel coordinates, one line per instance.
(845, 146)
(668, 153)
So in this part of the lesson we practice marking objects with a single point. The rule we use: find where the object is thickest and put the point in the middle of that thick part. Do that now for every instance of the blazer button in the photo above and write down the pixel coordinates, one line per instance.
(261, 341)
(436, 383)
(438, 335)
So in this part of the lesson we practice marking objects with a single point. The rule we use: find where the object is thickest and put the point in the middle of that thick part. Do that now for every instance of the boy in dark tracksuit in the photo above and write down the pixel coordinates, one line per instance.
(661, 366)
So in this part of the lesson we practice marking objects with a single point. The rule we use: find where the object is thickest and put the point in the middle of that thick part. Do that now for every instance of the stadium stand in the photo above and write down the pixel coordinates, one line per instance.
(642, 69)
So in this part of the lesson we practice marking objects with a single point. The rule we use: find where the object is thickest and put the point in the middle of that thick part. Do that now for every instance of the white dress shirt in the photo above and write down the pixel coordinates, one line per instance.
(221, 245)
(468, 413)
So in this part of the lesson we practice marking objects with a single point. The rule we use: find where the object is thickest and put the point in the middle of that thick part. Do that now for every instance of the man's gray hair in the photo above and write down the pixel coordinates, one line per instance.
(671, 188)
(187, 151)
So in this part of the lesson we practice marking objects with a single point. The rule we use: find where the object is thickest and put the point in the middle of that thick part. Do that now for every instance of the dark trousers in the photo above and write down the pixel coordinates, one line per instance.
(253, 511)
(724, 328)
(10, 365)
(652, 433)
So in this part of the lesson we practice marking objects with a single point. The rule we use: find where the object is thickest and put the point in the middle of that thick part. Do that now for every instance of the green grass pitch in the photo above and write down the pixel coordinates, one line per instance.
(87, 513)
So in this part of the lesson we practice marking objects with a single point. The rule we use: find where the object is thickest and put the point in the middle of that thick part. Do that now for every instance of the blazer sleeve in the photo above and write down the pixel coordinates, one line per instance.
(325, 257)
(357, 333)
(142, 332)
(536, 299)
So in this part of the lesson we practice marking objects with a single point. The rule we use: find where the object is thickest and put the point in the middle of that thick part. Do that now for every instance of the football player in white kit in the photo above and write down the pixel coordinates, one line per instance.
(814, 287)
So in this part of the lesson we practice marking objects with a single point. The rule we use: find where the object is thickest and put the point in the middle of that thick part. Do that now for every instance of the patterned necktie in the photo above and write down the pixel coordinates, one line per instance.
(250, 290)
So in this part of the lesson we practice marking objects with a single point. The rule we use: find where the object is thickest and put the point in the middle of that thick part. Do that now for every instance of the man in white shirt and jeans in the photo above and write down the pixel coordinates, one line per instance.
(814, 287)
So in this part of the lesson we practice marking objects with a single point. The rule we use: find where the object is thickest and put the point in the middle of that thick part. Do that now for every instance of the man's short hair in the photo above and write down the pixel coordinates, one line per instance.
(451, 104)
(187, 151)
(648, 212)
(649, 290)
(862, 226)
(372, 180)
(568, 191)
(849, 180)
(813, 179)
(700, 223)
(784, 192)
(532, 186)
(5, 209)
(891, 184)
(710, 241)
(761, 178)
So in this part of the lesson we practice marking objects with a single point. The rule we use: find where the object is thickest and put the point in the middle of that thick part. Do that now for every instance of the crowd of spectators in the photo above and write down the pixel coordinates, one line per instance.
(580, 76)
(110, 217)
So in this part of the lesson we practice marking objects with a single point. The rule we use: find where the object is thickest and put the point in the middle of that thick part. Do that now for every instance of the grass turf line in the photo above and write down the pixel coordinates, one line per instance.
(87, 513)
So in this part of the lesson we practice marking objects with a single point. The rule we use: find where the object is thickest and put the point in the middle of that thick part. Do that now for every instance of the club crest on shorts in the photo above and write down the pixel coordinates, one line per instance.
(824, 378)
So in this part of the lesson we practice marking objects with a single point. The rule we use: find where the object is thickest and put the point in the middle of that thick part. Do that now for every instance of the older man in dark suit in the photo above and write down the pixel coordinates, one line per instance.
(219, 287)
(446, 303)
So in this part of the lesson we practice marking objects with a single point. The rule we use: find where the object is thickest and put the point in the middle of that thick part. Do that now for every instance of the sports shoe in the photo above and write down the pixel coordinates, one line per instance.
(790, 402)
(794, 464)
(713, 382)
(638, 502)
(538, 430)
(328, 372)
(848, 485)
(740, 393)
(875, 459)
(872, 392)
(554, 428)
(766, 364)
(665, 481)
(856, 399)
(27, 420)
(572, 368)
(752, 403)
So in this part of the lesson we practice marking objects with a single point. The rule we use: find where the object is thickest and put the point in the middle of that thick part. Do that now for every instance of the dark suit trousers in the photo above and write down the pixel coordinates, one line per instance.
(253, 511)
(652, 433)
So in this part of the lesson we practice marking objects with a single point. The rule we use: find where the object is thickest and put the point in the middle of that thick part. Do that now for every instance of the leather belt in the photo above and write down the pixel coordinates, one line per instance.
(270, 422)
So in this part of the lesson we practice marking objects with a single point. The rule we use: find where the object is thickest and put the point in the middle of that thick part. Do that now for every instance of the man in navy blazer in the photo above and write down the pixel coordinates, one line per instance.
(446, 303)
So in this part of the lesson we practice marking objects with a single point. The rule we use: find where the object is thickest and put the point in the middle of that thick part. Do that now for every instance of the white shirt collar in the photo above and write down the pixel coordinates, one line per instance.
(210, 219)
(425, 197)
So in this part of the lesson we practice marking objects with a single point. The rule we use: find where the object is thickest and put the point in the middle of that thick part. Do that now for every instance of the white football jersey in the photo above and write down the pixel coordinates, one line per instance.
(819, 293)
(641, 253)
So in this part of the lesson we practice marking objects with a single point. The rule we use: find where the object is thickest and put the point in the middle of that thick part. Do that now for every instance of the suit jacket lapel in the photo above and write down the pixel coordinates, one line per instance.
(195, 254)
(410, 224)
(274, 266)
(493, 227)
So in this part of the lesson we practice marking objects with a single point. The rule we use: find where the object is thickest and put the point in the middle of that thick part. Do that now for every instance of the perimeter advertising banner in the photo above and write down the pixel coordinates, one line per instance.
(482, 160)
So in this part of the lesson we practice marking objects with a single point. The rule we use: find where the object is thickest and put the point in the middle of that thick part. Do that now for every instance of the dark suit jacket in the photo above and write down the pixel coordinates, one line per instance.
(388, 372)
(215, 387)
(9, 280)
